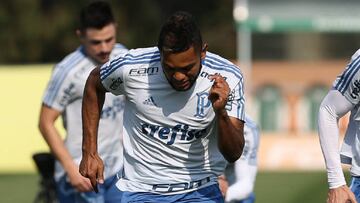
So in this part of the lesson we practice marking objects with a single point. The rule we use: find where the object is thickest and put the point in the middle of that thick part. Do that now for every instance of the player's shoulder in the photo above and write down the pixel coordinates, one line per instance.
(137, 56)
(222, 65)
(142, 53)
(118, 50)
(72, 59)
(69, 63)
(130, 59)
(356, 55)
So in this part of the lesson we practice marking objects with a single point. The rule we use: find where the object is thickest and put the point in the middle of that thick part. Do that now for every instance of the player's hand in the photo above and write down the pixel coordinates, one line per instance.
(341, 195)
(219, 93)
(92, 167)
(80, 183)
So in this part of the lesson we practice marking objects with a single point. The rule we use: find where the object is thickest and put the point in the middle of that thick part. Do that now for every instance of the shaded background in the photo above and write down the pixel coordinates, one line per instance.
(43, 31)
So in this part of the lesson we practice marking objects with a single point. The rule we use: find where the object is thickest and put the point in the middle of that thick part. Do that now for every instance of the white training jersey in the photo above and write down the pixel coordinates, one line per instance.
(348, 84)
(64, 93)
(169, 136)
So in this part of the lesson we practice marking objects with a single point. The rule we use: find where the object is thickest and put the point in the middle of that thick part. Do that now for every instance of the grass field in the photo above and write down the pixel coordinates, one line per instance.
(271, 187)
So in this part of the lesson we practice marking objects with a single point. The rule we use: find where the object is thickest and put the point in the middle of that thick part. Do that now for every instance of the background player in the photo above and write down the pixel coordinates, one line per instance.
(342, 98)
(240, 176)
(63, 96)
(185, 112)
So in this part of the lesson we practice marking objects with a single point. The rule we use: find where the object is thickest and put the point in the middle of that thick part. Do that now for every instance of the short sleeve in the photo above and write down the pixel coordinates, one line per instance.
(112, 76)
(61, 90)
(348, 83)
(236, 102)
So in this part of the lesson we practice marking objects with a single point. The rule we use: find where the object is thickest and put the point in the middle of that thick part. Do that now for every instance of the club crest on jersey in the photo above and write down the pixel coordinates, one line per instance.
(115, 83)
(202, 104)
(356, 90)
(68, 95)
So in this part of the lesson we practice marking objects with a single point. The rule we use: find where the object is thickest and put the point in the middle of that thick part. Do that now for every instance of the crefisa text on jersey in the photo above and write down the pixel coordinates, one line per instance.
(166, 133)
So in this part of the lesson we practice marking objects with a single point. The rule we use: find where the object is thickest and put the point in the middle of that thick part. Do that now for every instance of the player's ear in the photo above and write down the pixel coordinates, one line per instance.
(80, 34)
(203, 51)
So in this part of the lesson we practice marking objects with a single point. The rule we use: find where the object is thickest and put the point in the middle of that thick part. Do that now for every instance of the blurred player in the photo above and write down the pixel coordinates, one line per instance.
(240, 176)
(342, 98)
(185, 112)
(63, 96)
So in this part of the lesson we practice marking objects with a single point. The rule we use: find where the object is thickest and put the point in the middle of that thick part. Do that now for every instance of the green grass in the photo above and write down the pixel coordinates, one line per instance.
(291, 187)
(271, 187)
(18, 188)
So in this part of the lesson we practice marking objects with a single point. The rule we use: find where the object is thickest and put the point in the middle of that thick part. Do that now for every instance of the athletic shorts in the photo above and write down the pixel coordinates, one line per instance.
(355, 187)
(209, 194)
(108, 192)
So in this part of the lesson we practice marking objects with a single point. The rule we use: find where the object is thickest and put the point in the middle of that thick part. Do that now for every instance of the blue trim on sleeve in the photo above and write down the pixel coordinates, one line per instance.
(348, 75)
(60, 76)
(129, 59)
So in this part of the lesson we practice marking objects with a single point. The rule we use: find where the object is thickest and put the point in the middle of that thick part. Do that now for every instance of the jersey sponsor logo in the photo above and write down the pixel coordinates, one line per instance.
(207, 75)
(144, 71)
(355, 92)
(110, 112)
(180, 186)
(203, 103)
(116, 83)
(182, 131)
(68, 95)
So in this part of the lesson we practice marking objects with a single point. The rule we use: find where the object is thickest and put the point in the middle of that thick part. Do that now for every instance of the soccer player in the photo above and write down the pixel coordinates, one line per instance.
(63, 97)
(184, 114)
(239, 179)
(342, 98)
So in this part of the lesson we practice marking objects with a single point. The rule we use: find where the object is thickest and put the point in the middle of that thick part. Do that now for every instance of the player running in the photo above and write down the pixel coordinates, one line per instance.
(184, 115)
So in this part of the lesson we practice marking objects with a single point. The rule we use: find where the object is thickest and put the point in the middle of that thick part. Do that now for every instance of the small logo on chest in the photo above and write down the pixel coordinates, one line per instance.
(150, 101)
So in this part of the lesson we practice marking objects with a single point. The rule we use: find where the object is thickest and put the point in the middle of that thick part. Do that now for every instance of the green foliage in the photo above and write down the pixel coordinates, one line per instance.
(44, 30)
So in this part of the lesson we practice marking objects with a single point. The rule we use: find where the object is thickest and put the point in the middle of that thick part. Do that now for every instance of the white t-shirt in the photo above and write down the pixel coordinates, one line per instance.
(64, 93)
(348, 84)
(169, 136)
(241, 175)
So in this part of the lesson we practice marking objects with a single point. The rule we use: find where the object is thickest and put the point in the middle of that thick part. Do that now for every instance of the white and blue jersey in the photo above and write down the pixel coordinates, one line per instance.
(64, 93)
(170, 137)
(348, 84)
(241, 175)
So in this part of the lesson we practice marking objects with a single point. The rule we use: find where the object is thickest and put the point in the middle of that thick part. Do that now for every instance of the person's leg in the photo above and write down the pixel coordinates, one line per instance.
(67, 194)
(355, 187)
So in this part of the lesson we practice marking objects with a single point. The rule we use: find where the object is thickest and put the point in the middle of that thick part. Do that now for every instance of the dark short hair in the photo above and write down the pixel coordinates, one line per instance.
(97, 15)
(179, 33)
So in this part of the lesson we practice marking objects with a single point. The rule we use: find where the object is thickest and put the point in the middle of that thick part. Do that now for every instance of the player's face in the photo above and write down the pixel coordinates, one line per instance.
(98, 43)
(181, 69)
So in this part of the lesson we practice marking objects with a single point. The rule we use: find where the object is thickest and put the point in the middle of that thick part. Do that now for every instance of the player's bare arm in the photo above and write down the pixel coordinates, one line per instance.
(341, 194)
(231, 130)
(48, 116)
(91, 165)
